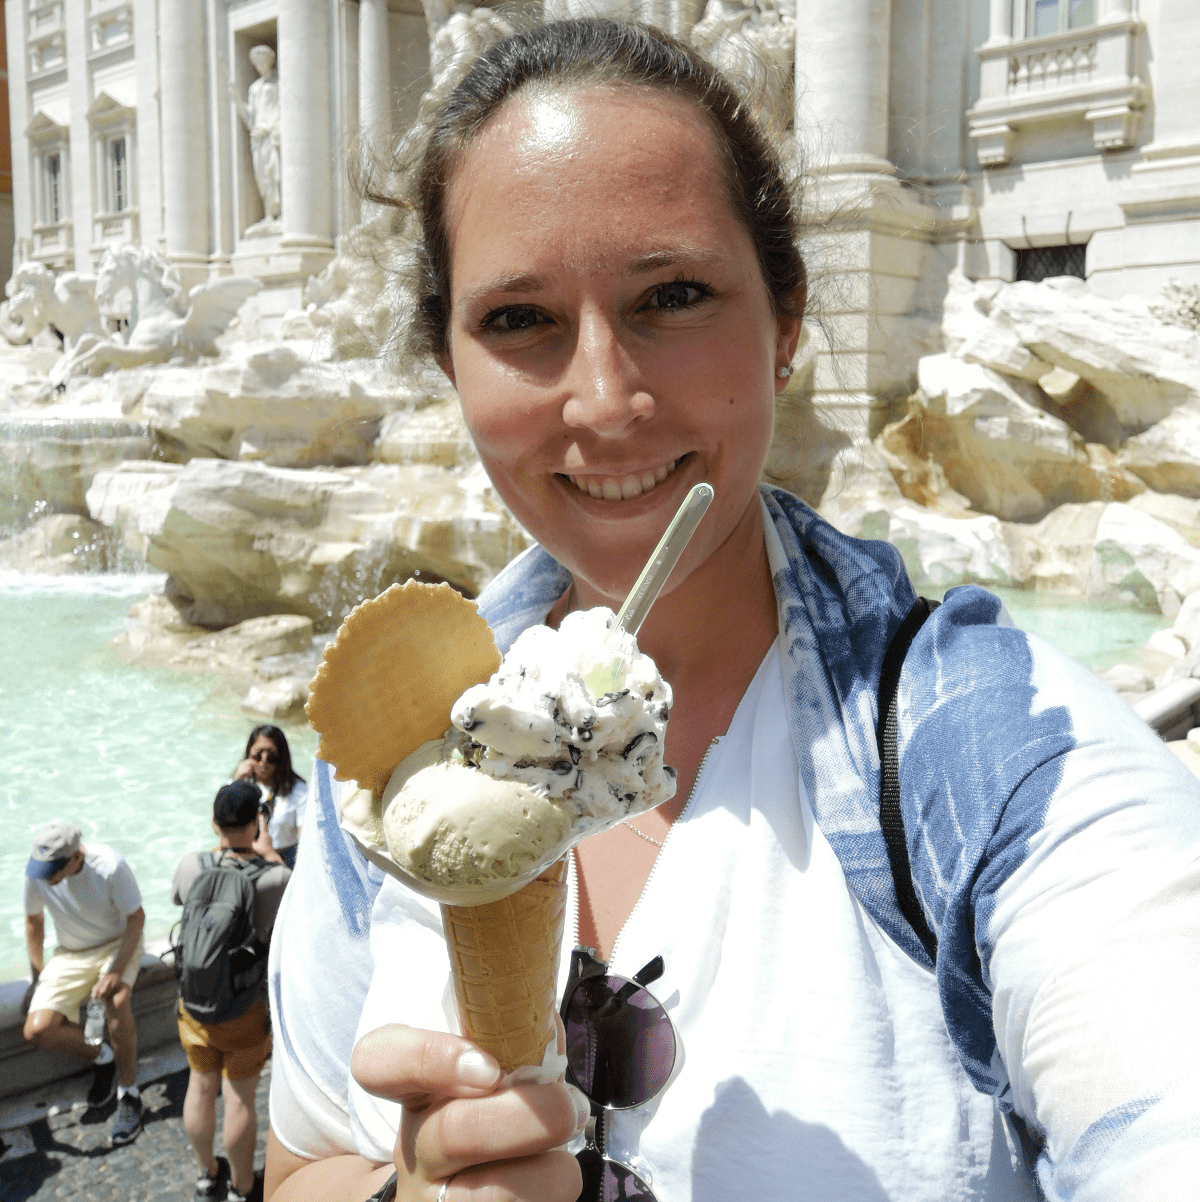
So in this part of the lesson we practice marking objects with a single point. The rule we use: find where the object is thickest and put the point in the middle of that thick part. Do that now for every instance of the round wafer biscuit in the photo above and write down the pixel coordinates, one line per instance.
(389, 678)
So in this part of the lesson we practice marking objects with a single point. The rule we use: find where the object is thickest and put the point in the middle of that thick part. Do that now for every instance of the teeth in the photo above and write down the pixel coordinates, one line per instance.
(626, 488)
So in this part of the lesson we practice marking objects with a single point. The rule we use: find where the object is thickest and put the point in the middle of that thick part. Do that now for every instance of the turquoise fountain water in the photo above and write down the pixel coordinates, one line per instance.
(134, 755)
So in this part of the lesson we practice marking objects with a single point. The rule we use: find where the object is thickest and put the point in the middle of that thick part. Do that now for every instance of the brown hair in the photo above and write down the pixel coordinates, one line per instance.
(586, 52)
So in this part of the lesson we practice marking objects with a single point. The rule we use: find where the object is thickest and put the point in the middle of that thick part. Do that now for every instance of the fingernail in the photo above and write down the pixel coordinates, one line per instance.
(474, 1068)
(583, 1108)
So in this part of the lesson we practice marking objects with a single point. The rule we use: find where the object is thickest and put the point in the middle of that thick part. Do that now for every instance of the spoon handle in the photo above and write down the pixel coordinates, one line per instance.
(666, 555)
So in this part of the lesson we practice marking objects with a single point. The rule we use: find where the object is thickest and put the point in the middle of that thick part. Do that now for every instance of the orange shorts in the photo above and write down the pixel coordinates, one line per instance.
(238, 1048)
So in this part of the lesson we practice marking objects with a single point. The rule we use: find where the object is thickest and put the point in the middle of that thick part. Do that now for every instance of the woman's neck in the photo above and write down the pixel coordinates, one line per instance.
(723, 613)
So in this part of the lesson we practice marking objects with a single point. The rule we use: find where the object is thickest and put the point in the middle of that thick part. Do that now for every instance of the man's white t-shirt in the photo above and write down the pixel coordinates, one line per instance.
(814, 1059)
(91, 907)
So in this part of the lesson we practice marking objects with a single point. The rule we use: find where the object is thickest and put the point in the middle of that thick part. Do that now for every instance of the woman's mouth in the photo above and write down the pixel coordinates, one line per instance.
(623, 488)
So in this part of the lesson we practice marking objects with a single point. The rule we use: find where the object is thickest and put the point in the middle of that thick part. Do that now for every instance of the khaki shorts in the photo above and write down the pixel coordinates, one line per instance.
(69, 977)
(238, 1048)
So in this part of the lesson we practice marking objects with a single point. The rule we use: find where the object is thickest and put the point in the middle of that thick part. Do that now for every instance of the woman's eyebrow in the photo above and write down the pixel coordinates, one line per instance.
(518, 281)
(691, 256)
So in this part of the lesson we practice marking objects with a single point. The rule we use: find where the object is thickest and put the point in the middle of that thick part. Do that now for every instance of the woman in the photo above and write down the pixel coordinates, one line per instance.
(268, 761)
(610, 280)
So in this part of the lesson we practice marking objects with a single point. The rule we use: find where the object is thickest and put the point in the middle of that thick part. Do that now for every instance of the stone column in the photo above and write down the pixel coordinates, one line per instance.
(842, 84)
(182, 85)
(1000, 22)
(374, 73)
(306, 146)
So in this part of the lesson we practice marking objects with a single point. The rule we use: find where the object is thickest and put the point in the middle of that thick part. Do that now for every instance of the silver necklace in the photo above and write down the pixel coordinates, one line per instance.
(640, 834)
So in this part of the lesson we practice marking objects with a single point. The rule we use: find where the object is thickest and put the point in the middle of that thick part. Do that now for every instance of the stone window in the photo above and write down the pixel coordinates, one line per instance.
(116, 161)
(1056, 16)
(54, 201)
(1037, 263)
(113, 118)
(51, 156)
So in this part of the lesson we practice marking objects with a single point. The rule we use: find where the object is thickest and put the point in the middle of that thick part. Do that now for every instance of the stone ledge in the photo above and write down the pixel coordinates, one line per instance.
(23, 1067)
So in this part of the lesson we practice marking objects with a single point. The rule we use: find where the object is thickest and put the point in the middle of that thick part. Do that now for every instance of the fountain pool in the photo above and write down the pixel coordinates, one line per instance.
(134, 755)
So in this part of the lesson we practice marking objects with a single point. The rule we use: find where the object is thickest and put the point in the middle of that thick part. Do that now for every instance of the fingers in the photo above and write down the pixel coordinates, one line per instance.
(418, 1067)
(553, 1177)
(522, 1122)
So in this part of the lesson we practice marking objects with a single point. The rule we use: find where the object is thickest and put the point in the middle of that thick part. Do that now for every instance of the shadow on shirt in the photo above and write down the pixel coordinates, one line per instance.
(737, 1138)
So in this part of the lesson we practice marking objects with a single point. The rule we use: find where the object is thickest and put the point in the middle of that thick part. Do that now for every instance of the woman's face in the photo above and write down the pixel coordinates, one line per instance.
(263, 756)
(610, 334)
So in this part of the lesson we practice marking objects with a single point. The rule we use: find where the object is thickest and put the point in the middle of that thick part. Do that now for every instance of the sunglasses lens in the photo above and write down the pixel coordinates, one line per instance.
(607, 1181)
(620, 1043)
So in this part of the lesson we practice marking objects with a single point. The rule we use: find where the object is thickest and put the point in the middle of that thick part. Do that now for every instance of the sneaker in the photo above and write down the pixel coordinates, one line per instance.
(213, 1189)
(104, 1085)
(127, 1122)
(255, 1194)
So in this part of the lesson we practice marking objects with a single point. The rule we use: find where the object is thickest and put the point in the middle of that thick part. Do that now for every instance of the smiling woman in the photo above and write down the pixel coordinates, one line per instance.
(608, 273)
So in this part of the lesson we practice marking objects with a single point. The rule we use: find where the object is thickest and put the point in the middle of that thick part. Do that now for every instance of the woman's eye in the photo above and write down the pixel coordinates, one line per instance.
(679, 294)
(511, 319)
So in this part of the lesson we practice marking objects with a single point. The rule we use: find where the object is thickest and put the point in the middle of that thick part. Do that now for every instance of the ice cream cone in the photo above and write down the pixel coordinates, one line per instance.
(504, 961)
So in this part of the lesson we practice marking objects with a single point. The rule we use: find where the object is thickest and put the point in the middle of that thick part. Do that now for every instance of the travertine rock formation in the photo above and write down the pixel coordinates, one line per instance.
(241, 540)
(971, 430)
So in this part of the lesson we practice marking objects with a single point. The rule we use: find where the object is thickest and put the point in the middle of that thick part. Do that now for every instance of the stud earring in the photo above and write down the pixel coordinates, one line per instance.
(785, 371)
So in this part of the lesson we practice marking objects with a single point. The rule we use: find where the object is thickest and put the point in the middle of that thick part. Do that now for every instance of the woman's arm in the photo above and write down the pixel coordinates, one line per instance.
(292, 1178)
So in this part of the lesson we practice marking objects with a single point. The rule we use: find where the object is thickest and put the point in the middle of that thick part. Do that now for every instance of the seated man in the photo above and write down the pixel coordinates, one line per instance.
(98, 919)
(221, 958)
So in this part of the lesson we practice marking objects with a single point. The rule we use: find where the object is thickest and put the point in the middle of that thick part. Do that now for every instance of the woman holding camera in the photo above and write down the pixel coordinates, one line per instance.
(268, 762)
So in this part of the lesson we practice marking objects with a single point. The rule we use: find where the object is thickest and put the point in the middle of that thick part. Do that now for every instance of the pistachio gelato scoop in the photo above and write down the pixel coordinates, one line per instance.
(564, 741)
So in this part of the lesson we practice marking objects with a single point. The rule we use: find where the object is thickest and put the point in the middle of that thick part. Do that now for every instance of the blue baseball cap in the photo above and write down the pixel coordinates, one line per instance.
(53, 846)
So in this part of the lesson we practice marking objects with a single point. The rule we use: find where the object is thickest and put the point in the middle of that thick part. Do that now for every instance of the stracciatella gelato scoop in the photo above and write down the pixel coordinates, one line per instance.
(564, 741)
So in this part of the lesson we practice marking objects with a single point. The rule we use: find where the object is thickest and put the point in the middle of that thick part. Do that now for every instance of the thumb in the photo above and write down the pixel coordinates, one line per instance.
(417, 1068)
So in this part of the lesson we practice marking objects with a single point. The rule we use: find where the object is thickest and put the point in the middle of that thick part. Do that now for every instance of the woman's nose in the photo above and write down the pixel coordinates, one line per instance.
(607, 392)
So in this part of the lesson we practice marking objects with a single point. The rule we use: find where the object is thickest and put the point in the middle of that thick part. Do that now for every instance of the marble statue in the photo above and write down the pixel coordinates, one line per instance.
(38, 299)
(753, 41)
(163, 324)
(458, 31)
(260, 116)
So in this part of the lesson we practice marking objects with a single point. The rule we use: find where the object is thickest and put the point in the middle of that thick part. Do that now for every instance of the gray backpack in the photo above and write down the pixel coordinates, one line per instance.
(219, 961)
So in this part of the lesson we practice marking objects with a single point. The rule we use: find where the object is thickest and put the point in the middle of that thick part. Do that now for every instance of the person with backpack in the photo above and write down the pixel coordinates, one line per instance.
(230, 897)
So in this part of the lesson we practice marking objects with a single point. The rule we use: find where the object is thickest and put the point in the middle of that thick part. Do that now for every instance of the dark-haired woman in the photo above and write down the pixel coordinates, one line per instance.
(268, 761)
(611, 281)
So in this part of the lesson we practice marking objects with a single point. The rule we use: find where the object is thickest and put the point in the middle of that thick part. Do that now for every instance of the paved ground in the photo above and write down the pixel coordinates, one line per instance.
(72, 1159)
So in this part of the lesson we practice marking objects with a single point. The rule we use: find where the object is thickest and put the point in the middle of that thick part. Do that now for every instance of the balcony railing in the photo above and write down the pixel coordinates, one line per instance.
(1079, 75)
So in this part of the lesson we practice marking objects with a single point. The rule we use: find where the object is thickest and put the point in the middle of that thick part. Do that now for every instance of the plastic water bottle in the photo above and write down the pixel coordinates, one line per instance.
(93, 1027)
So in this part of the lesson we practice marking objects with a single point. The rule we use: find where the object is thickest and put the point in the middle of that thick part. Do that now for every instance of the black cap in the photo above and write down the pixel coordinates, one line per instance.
(236, 804)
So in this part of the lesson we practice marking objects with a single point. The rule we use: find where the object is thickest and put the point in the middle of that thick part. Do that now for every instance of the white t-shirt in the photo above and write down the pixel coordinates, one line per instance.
(815, 1061)
(91, 907)
(284, 823)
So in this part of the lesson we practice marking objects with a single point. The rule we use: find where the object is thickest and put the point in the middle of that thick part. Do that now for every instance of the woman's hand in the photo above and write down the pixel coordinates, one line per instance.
(457, 1125)
(244, 771)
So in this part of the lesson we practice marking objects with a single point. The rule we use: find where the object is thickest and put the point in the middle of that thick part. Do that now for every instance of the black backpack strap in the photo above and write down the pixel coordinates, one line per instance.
(890, 817)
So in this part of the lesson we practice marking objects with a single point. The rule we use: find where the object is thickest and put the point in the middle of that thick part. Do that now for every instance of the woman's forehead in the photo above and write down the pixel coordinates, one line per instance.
(558, 123)
(544, 151)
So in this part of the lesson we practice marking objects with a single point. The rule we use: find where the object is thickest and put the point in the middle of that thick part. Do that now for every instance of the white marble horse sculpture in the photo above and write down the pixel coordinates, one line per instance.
(163, 324)
(38, 300)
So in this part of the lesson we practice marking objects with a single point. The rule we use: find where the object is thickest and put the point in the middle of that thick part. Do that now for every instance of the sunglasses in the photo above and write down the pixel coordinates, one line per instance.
(272, 757)
(620, 1053)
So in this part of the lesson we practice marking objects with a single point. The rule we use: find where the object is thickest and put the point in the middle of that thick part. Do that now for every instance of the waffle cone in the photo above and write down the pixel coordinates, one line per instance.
(504, 962)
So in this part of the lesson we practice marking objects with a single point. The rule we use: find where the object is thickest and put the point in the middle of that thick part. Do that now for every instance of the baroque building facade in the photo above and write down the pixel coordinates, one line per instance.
(1001, 138)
